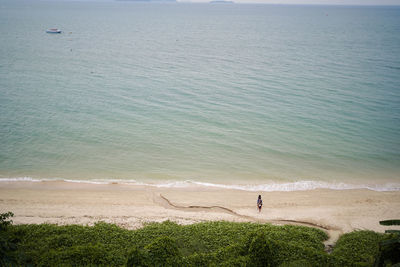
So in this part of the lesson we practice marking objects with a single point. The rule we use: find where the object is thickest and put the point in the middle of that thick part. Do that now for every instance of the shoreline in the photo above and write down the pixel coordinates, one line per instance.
(253, 186)
(132, 206)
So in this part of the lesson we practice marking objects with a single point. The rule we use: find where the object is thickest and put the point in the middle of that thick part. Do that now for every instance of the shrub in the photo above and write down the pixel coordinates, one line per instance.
(297, 263)
(389, 251)
(200, 260)
(359, 247)
(261, 251)
(202, 244)
(5, 221)
(136, 257)
(162, 252)
(389, 248)
(264, 251)
(96, 254)
(390, 222)
(8, 242)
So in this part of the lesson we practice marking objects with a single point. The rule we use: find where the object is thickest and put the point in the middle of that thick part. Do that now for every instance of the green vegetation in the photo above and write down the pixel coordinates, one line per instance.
(390, 222)
(389, 248)
(359, 247)
(169, 244)
(7, 242)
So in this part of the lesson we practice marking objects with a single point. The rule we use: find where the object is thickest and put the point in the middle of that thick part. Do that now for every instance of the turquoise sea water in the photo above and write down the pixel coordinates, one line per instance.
(249, 95)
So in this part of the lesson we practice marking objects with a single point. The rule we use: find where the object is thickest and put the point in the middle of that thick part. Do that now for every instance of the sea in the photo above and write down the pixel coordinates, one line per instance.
(253, 97)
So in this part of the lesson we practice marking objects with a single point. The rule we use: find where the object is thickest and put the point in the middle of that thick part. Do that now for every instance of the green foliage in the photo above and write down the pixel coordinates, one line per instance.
(393, 232)
(91, 254)
(263, 250)
(137, 257)
(200, 260)
(8, 243)
(4, 220)
(202, 244)
(163, 252)
(360, 247)
(390, 222)
(389, 249)
(296, 263)
(101, 244)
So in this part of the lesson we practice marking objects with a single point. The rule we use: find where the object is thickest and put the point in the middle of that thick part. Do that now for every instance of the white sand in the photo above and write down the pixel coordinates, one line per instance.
(131, 206)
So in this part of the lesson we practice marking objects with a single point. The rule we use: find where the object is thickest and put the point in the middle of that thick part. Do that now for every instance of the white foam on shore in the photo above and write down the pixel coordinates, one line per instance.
(265, 187)
(305, 185)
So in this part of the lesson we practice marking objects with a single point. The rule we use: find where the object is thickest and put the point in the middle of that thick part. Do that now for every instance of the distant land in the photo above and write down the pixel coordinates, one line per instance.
(148, 1)
(221, 2)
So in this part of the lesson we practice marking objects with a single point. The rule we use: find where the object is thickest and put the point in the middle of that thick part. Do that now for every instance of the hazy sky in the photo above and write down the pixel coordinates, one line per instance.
(340, 2)
(324, 2)
(298, 2)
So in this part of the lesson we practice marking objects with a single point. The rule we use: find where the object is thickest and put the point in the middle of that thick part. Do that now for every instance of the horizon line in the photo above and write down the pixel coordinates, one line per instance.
(232, 2)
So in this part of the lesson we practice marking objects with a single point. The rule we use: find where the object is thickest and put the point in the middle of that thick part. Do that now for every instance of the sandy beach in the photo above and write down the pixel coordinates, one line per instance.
(335, 211)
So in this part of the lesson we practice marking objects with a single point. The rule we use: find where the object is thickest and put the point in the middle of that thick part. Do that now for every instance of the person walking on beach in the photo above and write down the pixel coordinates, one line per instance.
(259, 203)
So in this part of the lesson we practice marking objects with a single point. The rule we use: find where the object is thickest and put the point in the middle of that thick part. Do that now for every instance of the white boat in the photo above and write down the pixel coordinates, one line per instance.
(53, 31)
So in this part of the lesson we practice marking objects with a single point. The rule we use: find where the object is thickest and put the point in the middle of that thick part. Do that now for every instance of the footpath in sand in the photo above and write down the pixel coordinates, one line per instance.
(131, 206)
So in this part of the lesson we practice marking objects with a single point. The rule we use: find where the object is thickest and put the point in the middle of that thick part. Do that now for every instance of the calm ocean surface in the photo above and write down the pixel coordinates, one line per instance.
(258, 97)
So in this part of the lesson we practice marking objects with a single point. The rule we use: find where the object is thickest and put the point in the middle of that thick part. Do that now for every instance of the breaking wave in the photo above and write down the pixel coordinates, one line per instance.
(265, 187)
